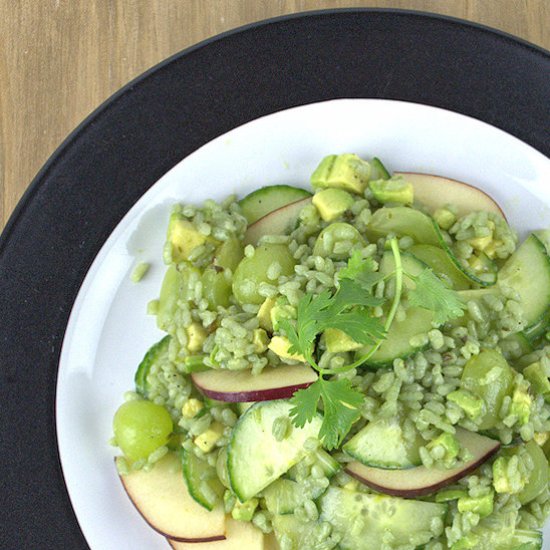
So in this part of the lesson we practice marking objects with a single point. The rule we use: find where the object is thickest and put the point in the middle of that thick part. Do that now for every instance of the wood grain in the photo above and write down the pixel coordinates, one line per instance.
(59, 59)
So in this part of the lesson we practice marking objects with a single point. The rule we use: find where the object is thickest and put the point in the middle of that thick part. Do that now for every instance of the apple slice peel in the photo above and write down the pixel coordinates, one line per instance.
(419, 481)
(243, 386)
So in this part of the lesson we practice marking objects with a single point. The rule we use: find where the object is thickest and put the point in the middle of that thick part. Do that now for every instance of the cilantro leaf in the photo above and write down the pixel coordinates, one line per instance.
(352, 293)
(341, 405)
(305, 404)
(360, 270)
(434, 294)
(358, 325)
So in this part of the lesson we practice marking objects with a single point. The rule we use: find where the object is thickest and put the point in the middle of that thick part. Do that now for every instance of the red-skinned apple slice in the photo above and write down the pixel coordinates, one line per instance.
(242, 386)
(436, 191)
(161, 497)
(276, 222)
(240, 535)
(418, 481)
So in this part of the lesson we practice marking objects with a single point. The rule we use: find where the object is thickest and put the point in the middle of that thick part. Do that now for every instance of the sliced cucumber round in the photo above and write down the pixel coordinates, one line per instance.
(485, 272)
(364, 520)
(201, 480)
(266, 199)
(157, 353)
(255, 458)
(527, 271)
(381, 444)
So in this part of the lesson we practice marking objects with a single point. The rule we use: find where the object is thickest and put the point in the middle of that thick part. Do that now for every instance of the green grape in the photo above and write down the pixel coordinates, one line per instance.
(538, 478)
(337, 241)
(254, 270)
(141, 427)
(216, 287)
(493, 390)
(229, 254)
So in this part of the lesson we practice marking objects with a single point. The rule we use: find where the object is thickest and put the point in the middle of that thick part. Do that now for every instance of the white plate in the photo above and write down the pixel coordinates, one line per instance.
(109, 331)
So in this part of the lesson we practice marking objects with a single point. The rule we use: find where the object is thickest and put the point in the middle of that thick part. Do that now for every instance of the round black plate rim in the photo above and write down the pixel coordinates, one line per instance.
(98, 111)
(40, 296)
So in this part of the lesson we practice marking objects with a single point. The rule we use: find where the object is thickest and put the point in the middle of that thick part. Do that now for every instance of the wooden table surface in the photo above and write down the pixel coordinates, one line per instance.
(60, 59)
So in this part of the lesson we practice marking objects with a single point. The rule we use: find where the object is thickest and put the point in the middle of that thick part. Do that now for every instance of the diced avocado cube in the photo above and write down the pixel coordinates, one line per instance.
(501, 483)
(183, 237)
(481, 243)
(444, 218)
(536, 375)
(471, 404)
(541, 438)
(521, 404)
(279, 345)
(449, 443)
(508, 479)
(191, 408)
(244, 511)
(450, 494)
(332, 203)
(345, 171)
(264, 314)
(337, 341)
(196, 335)
(207, 440)
(482, 506)
(395, 189)
(260, 340)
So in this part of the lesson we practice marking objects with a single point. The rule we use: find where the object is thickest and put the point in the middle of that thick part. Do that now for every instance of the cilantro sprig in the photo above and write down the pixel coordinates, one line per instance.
(349, 310)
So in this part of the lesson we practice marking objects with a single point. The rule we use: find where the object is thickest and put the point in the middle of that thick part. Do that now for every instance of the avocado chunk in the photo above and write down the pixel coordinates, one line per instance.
(279, 345)
(332, 203)
(346, 171)
(244, 511)
(395, 189)
(264, 314)
(469, 403)
(444, 217)
(450, 445)
(521, 403)
(538, 379)
(337, 341)
(482, 506)
(182, 237)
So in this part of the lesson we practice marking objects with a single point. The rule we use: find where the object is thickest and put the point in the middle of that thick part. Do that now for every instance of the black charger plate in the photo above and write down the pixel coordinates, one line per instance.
(107, 163)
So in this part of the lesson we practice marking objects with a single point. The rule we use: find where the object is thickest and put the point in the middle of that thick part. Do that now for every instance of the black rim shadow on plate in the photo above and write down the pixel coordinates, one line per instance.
(127, 144)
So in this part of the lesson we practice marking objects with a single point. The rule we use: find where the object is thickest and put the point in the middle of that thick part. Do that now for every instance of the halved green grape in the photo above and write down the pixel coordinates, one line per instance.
(229, 254)
(216, 287)
(141, 427)
(489, 377)
(538, 478)
(269, 260)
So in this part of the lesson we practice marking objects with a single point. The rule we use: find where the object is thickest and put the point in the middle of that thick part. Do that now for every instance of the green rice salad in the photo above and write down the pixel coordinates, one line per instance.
(361, 365)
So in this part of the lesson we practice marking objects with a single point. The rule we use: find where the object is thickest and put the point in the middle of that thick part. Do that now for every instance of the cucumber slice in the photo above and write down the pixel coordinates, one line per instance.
(364, 520)
(527, 271)
(381, 444)
(441, 264)
(378, 171)
(403, 221)
(401, 341)
(278, 222)
(266, 199)
(157, 354)
(283, 496)
(254, 457)
(201, 480)
(485, 273)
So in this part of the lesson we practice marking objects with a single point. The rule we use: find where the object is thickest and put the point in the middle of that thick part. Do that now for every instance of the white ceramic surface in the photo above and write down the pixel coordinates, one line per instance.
(109, 331)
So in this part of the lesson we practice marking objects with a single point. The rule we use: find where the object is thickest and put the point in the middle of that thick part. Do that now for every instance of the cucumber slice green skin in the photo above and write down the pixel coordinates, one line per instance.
(363, 519)
(488, 278)
(381, 444)
(441, 264)
(530, 263)
(255, 459)
(266, 199)
(378, 170)
(201, 480)
(153, 355)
